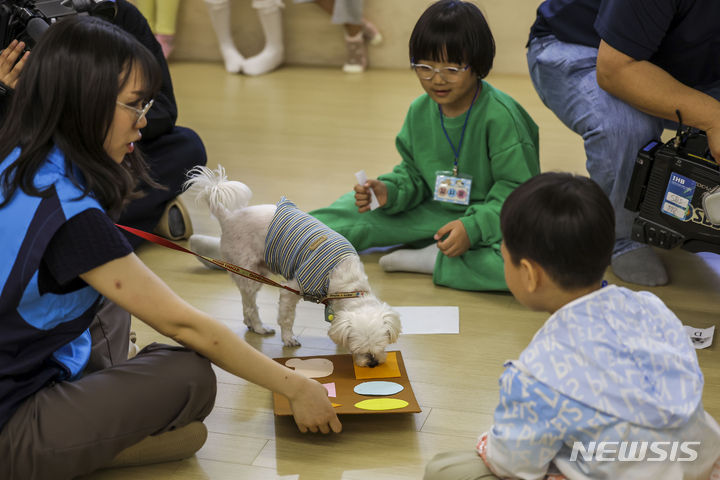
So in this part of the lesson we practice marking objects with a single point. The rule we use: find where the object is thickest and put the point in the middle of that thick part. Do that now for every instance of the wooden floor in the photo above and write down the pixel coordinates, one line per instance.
(303, 133)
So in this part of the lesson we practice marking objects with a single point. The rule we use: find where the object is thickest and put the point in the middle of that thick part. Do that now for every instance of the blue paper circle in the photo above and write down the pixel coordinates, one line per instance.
(378, 388)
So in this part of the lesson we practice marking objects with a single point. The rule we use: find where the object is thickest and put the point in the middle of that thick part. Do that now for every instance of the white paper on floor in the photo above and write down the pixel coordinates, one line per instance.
(701, 337)
(429, 320)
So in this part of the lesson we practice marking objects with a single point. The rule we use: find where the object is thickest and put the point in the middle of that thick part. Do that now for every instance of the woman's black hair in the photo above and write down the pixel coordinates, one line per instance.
(565, 223)
(456, 32)
(65, 97)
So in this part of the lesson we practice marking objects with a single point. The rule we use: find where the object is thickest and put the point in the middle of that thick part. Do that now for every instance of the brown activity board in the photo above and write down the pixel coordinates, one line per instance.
(377, 385)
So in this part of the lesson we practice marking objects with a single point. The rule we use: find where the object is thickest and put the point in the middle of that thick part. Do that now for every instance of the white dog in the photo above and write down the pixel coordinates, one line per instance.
(364, 325)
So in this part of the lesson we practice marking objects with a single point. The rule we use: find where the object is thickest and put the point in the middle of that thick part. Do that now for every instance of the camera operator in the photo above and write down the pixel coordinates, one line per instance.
(168, 149)
(615, 72)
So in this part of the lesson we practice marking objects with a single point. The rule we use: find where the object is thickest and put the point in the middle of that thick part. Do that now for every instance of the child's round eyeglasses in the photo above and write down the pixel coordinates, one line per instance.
(140, 112)
(449, 74)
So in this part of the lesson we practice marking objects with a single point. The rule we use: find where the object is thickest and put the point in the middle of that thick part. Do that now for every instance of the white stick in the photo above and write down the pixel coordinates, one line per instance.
(361, 178)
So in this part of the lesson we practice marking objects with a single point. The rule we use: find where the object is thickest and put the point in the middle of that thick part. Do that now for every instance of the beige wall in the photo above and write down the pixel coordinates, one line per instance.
(310, 38)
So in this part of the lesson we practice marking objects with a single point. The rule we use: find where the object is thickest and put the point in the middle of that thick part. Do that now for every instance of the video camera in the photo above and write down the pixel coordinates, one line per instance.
(674, 187)
(27, 20)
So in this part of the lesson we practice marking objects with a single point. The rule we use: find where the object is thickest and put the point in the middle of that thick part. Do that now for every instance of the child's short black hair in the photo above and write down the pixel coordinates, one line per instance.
(456, 32)
(565, 223)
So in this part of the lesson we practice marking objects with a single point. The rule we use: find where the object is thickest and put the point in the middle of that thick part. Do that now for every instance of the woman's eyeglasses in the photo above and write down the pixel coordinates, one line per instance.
(449, 74)
(140, 112)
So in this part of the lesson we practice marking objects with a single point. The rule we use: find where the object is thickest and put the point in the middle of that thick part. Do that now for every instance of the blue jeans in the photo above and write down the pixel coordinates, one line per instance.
(613, 132)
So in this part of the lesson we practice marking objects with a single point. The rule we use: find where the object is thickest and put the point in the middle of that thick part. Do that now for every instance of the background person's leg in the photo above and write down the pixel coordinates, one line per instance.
(147, 8)
(273, 54)
(358, 31)
(219, 11)
(613, 132)
(350, 14)
(347, 12)
(166, 21)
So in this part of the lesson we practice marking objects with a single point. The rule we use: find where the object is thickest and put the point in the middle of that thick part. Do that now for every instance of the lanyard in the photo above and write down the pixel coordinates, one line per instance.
(462, 134)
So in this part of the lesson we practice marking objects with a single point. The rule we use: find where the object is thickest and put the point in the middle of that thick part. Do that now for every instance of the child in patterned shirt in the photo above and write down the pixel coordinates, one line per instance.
(610, 386)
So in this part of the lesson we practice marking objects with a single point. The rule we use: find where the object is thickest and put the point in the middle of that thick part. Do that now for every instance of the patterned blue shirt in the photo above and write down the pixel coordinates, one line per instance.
(613, 366)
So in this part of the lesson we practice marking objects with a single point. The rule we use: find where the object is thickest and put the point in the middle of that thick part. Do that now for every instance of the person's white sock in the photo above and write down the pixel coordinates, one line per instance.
(207, 246)
(411, 260)
(273, 54)
(219, 11)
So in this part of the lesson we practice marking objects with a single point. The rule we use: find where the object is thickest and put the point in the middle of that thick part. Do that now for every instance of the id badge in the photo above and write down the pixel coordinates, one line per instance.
(452, 188)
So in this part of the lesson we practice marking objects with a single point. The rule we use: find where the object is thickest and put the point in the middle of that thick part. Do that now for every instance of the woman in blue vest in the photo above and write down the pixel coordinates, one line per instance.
(70, 400)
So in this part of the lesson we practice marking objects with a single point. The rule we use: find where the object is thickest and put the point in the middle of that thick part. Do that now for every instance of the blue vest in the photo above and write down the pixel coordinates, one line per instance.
(300, 247)
(44, 336)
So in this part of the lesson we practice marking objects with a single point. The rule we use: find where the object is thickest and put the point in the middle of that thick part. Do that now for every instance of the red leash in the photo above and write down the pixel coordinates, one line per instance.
(235, 269)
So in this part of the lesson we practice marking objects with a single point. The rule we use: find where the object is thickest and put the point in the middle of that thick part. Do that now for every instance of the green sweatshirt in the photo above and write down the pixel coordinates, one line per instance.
(499, 151)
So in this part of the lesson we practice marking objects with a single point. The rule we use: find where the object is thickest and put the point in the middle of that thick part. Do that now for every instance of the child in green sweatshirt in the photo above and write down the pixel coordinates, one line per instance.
(465, 146)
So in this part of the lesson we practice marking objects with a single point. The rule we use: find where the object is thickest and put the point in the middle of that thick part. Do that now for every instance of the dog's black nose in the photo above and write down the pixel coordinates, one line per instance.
(373, 361)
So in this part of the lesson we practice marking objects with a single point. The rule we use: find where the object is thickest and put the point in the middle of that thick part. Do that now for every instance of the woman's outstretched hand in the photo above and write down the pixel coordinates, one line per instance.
(312, 409)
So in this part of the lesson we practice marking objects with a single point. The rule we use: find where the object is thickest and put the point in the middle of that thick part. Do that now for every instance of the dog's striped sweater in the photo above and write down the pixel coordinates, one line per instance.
(300, 247)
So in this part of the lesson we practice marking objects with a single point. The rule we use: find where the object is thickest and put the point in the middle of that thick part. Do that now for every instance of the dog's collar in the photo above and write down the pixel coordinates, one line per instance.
(329, 310)
(332, 296)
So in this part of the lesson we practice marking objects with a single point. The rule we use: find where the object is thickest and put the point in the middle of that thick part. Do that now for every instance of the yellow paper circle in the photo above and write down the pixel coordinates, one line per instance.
(382, 404)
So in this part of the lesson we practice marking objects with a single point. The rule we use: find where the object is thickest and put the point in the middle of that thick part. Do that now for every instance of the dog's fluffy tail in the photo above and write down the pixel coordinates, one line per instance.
(220, 194)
